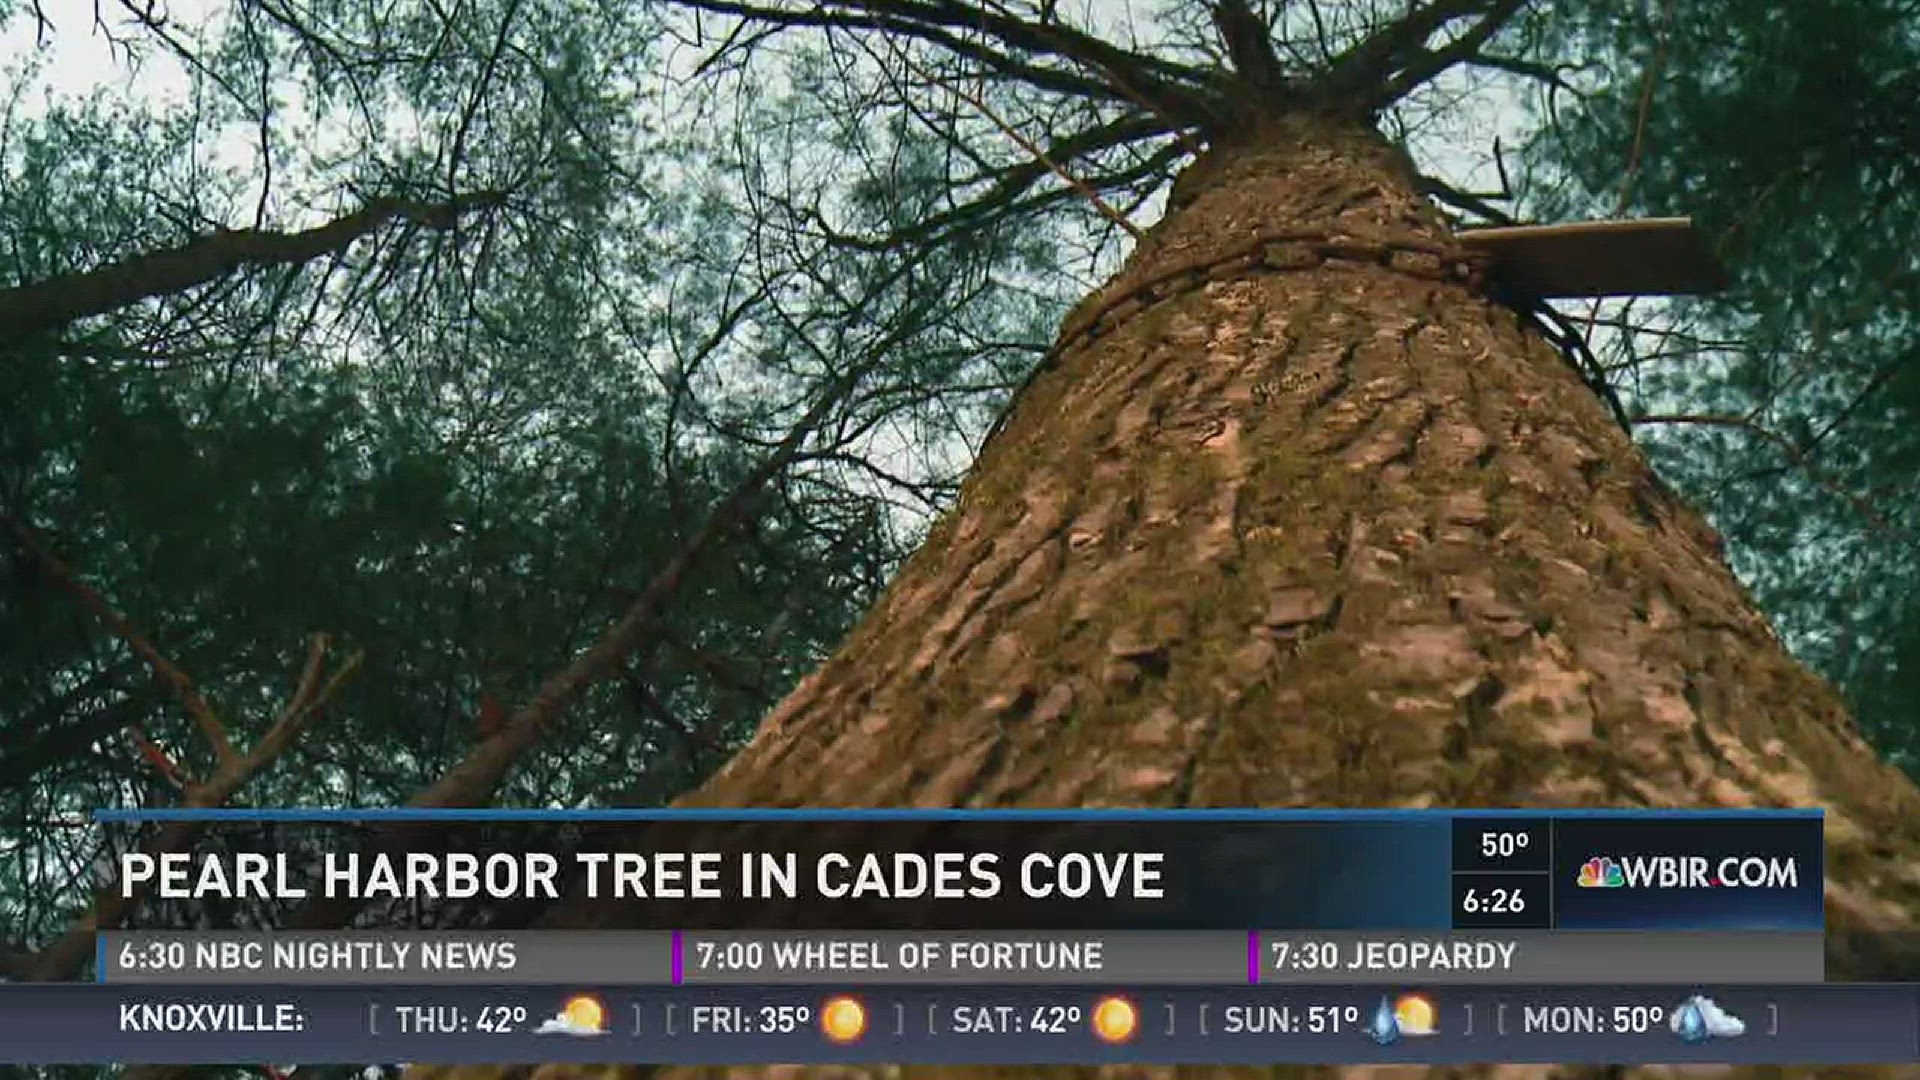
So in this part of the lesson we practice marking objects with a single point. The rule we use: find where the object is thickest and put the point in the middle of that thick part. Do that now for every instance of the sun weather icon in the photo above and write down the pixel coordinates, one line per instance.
(1410, 1015)
(1600, 872)
(1416, 1015)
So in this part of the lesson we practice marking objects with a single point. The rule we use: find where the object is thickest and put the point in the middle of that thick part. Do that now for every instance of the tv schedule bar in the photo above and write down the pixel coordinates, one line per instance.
(949, 958)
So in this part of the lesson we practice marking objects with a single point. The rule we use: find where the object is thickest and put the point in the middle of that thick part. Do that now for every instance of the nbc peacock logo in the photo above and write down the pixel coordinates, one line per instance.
(1601, 872)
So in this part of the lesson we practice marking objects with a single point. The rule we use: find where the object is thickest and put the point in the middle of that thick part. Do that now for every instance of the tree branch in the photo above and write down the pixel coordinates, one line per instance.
(1370, 61)
(53, 303)
(1513, 65)
(1249, 43)
(63, 958)
(1791, 448)
(1029, 147)
(204, 718)
(1012, 183)
(1425, 64)
(1464, 200)
(473, 780)
(1181, 90)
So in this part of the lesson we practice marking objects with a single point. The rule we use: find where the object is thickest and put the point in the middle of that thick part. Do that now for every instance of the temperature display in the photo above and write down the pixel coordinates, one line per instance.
(767, 1019)
(1502, 844)
(1502, 873)
(1291, 1019)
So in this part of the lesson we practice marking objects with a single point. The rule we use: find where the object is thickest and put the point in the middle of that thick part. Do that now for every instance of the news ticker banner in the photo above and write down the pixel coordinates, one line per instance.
(1138, 957)
(1424, 1023)
(989, 870)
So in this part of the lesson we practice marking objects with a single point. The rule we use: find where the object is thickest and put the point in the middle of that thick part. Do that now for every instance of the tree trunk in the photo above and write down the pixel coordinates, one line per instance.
(1299, 517)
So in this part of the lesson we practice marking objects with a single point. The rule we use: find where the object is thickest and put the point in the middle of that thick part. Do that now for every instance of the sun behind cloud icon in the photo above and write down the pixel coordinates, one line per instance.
(582, 1014)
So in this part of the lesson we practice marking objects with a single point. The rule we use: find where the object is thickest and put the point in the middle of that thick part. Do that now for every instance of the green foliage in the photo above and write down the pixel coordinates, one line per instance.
(1788, 131)
(459, 450)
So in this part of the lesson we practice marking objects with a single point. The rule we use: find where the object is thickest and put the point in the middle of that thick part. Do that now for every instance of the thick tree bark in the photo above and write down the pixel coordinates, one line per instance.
(1300, 518)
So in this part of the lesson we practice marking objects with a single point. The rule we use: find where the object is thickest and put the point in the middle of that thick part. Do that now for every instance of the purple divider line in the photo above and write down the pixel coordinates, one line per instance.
(679, 959)
(1253, 956)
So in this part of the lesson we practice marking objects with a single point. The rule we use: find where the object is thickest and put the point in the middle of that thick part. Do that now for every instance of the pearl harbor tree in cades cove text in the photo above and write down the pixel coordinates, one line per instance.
(632, 875)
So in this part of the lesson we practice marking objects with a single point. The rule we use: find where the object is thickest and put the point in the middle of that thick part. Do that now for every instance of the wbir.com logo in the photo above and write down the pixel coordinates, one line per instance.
(1689, 872)
(1601, 873)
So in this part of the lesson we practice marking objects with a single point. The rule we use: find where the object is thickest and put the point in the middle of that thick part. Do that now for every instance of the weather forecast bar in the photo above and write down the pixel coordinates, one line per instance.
(853, 1022)
(1144, 958)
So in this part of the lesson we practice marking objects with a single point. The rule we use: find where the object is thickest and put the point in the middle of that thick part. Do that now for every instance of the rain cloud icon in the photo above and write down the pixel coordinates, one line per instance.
(1700, 1018)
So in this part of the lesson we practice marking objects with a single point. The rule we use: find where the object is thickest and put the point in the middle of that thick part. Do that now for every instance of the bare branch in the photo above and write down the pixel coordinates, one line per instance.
(42, 26)
(1029, 146)
(1008, 193)
(1369, 62)
(1464, 200)
(308, 696)
(1175, 125)
(1177, 88)
(1249, 43)
(1426, 65)
(1513, 65)
(1792, 449)
(49, 304)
